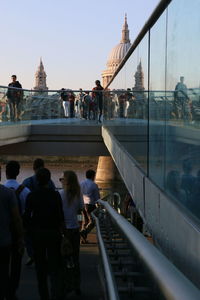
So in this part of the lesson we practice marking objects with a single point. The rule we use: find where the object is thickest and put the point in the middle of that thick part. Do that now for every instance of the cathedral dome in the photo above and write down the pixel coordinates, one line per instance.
(117, 54)
(119, 51)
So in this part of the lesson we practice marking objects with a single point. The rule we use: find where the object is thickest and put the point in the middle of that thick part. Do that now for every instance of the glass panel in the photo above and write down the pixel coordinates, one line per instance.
(158, 102)
(182, 132)
(129, 104)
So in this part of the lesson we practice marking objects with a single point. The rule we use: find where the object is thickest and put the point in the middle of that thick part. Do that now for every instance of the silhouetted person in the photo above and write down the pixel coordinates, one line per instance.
(195, 197)
(32, 184)
(97, 95)
(173, 185)
(187, 179)
(181, 99)
(71, 104)
(9, 214)
(44, 220)
(12, 171)
(14, 97)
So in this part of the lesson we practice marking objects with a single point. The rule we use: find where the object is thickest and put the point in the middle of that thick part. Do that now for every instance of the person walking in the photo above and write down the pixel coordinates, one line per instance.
(97, 95)
(12, 171)
(14, 97)
(72, 203)
(71, 104)
(91, 194)
(32, 184)
(9, 214)
(65, 102)
(44, 220)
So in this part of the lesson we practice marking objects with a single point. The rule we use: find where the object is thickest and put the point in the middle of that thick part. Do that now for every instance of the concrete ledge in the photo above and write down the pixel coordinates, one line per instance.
(14, 134)
(52, 139)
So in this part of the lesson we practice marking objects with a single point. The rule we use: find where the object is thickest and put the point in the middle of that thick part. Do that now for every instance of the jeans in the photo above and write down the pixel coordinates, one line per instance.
(48, 262)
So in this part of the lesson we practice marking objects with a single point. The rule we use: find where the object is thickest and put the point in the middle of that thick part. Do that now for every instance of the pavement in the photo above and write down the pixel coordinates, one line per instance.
(90, 282)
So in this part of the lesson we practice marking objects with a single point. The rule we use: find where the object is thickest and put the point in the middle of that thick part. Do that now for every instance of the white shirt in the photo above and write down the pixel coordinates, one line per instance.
(90, 191)
(12, 183)
(71, 210)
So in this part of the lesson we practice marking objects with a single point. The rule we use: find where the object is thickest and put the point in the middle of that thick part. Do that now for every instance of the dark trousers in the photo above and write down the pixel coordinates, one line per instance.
(46, 246)
(15, 271)
(14, 106)
(4, 270)
(71, 109)
(72, 277)
(100, 106)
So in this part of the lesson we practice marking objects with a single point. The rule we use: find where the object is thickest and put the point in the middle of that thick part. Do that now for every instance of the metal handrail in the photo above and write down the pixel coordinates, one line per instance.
(111, 285)
(86, 90)
(171, 282)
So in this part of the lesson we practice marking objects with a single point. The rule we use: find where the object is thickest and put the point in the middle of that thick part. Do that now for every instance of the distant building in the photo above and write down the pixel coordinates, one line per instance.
(139, 78)
(117, 54)
(40, 78)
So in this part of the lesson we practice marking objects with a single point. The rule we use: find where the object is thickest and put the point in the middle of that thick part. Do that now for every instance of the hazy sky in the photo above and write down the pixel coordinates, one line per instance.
(73, 37)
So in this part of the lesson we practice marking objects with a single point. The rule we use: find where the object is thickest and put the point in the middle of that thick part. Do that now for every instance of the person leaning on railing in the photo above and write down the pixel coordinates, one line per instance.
(14, 97)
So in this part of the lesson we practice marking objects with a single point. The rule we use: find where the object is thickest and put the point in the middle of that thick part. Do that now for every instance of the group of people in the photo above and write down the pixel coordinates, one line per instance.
(186, 187)
(36, 216)
(86, 106)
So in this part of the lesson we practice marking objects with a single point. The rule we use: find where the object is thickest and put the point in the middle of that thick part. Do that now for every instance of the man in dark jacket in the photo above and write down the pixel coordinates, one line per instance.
(44, 220)
(97, 95)
(14, 96)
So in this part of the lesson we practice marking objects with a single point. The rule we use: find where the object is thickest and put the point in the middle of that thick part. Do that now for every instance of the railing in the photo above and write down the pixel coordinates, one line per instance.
(116, 104)
(159, 112)
(128, 256)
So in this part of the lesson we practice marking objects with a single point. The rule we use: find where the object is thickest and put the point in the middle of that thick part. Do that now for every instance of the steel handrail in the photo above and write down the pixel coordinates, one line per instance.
(111, 285)
(86, 90)
(171, 282)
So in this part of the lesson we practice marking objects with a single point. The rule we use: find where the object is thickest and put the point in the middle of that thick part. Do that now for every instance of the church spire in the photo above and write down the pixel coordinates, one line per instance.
(40, 78)
(41, 66)
(125, 32)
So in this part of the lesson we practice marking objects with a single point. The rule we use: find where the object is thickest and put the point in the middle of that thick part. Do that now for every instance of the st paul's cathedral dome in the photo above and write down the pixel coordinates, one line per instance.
(117, 54)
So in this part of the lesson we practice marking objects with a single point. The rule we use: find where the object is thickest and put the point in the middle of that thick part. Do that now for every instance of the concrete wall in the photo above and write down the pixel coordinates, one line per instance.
(174, 230)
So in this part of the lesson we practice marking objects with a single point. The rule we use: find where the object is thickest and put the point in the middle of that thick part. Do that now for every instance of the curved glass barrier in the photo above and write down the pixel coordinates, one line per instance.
(165, 96)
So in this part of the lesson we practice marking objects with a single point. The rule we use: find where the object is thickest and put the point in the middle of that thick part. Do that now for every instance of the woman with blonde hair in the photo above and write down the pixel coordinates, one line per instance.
(72, 202)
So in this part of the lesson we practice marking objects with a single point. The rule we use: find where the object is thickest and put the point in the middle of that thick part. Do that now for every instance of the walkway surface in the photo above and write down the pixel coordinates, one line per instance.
(91, 287)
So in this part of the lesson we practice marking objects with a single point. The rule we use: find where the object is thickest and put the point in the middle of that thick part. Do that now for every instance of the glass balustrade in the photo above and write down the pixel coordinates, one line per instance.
(161, 82)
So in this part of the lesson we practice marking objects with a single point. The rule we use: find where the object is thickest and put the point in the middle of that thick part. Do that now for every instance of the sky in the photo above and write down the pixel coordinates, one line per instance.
(73, 37)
